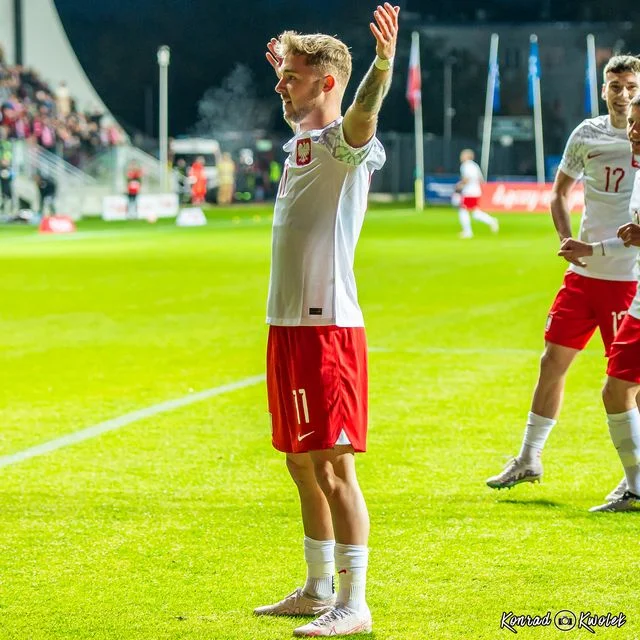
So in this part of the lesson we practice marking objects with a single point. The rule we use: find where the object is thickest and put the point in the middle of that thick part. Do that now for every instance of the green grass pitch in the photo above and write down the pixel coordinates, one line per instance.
(176, 525)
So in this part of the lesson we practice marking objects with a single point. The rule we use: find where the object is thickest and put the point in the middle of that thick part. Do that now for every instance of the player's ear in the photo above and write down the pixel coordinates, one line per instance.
(603, 93)
(329, 83)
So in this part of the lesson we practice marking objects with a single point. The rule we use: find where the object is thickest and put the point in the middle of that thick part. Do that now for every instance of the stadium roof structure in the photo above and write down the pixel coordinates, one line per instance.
(37, 36)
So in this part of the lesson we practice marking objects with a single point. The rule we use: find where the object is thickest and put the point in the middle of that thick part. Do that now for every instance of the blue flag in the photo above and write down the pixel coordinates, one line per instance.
(494, 70)
(587, 87)
(534, 67)
(590, 90)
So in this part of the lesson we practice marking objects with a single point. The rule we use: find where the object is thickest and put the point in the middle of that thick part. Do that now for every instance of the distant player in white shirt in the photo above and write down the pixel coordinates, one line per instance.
(601, 281)
(316, 352)
(468, 191)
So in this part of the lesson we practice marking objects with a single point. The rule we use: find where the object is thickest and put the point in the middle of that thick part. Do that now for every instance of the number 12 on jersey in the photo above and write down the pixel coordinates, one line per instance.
(300, 398)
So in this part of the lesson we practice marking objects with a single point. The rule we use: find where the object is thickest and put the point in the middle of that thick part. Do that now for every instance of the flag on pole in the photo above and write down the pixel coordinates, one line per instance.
(534, 68)
(494, 70)
(591, 79)
(588, 107)
(414, 80)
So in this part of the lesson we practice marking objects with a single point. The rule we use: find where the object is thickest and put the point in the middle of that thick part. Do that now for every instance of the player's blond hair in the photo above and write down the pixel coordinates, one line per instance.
(622, 64)
(326, 53)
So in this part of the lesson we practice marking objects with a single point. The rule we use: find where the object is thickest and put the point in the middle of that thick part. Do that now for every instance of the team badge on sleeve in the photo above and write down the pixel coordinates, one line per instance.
(303, 151)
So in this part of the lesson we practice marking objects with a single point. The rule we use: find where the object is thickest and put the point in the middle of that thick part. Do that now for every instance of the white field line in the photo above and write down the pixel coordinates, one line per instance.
(124, 420)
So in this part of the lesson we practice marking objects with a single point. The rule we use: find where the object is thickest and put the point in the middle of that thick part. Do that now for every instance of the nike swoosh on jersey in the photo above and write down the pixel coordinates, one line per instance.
(302, 436)
(592, 155)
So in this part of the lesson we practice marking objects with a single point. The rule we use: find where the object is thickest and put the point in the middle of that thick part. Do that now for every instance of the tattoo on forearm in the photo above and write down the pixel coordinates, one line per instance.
(372, 90)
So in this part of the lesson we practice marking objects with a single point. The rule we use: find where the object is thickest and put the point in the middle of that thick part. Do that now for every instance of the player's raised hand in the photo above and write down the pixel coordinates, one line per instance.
(272, 55)
(630, 234)
(572, 250)
(385, 30)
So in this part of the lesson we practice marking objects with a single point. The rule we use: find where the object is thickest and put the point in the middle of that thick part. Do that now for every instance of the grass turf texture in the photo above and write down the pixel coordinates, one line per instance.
(176, 526)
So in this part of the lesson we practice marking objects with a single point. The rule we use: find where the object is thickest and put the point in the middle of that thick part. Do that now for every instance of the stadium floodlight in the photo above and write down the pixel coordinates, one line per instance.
(164, 57)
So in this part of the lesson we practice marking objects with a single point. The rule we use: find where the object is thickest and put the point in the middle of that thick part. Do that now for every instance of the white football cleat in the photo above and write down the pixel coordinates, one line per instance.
(495, 226)
(297, 603)
(618, 492)
(465, 235)
(514, 473)
(628, 502)
(339, 621)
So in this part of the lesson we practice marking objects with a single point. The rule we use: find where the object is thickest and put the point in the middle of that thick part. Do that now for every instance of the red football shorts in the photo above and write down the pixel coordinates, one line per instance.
(317, 386)
(624, 358)
(470, 202)
(584, 304)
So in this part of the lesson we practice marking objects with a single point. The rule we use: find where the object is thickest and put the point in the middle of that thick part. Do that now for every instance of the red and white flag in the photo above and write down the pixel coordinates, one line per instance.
(414, 81)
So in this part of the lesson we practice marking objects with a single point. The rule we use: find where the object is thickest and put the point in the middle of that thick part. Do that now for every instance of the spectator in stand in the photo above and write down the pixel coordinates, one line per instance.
(134, 182)
(6, 186)
(63, 100)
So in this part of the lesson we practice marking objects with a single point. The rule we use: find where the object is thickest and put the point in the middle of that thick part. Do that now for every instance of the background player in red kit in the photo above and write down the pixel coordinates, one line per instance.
(316, 354)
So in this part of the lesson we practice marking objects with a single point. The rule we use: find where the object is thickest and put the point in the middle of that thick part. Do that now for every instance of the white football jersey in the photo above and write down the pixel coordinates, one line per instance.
(473, 175)
(601, 155)
(319, 212)
(634, 210)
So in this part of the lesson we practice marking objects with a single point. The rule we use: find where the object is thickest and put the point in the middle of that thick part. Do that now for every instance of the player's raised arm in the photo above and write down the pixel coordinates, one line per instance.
(275, 60)
(361, 118)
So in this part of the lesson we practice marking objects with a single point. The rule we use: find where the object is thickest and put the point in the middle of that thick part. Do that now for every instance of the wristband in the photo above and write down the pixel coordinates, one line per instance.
(599, 247)
(384, 64)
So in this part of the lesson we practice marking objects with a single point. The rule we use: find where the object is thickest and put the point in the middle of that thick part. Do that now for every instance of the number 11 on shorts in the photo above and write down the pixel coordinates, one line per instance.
(302, 394)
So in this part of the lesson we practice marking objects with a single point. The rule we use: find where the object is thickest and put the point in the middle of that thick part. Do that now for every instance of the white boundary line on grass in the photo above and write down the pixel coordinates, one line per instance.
(124, 420)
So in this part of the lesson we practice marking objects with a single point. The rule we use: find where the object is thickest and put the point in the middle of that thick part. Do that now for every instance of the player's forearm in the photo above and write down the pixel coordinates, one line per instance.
(560, 214)
(372, 90)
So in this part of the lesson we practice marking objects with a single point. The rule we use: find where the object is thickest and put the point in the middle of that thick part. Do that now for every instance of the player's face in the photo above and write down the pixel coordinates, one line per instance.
(633, 128)
(618, 90)
(300, 87)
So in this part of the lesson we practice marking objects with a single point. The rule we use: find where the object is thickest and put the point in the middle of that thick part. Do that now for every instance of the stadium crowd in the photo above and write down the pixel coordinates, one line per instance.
(31, 110)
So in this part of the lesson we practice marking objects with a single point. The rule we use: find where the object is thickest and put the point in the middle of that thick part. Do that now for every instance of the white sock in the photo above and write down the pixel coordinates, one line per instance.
(351, 563)
(465, 221)
(535, 436)
(481, 216)
(320, 568)
(625, 435)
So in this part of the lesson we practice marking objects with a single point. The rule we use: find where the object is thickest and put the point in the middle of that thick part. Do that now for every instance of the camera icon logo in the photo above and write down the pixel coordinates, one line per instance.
(565, 620)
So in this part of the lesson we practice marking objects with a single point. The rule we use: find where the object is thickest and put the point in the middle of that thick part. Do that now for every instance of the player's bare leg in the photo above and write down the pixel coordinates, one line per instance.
(317, 595)
(545, 406)
(335, 472)
(485, 218)
(620, 401)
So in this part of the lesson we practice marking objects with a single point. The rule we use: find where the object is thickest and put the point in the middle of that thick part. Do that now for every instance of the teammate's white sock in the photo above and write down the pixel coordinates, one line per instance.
(535, 436)
(319, 555)
(625, 435)
(482, 216)
(351, 563)
(465, 222)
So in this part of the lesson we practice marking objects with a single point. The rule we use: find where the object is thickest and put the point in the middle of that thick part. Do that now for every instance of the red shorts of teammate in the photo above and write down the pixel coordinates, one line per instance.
(624, 358)
(470, 202)
(317, 387)
(584, 304)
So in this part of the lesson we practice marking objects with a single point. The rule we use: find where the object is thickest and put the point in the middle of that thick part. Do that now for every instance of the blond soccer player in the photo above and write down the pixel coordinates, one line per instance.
(316, 353)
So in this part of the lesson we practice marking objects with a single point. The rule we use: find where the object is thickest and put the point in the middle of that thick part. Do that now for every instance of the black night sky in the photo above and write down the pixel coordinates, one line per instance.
(116, 42)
